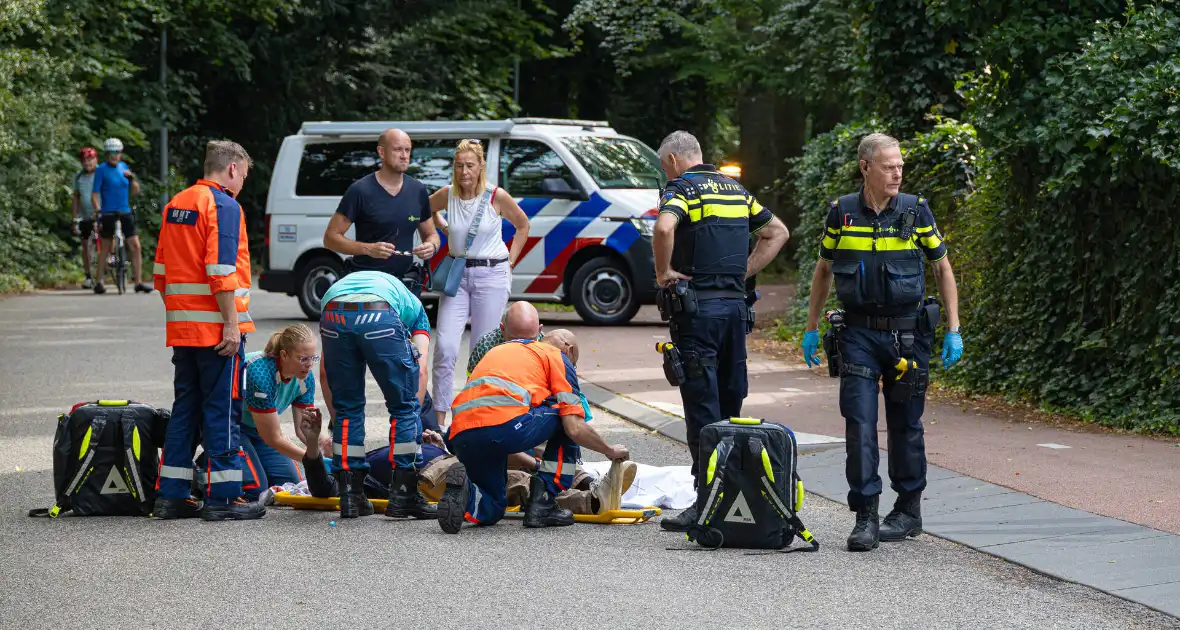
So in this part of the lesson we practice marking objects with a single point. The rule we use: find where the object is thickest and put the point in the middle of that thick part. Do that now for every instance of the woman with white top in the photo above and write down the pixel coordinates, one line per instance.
(487, 278)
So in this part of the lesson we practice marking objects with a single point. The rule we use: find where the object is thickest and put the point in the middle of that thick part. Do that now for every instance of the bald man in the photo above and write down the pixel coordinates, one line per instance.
(520, 321)
(386, 207)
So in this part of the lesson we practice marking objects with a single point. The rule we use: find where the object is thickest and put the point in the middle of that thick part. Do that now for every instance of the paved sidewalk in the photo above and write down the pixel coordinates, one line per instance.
(1126, 560)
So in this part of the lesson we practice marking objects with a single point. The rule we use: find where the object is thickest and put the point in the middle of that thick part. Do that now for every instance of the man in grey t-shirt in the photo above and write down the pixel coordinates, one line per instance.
(84, 207)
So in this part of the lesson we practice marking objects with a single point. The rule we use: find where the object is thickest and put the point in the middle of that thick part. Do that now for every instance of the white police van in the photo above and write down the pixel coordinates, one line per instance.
(590, 195)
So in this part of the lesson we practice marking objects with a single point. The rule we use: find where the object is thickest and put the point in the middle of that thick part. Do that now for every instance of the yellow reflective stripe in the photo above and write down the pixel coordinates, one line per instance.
(197, 288)
(865, 244)
(799, 496)
(930, 242)
(158, 269)
(857, 228)
(745, 421)
(712, 467)
(829, 242)
(718, 197)
(203, 317)
(498, 400)
(522, 394)
(832, 232)
(766, 465)
(715, 210)
(220, 270)
(135, 442)
(85, 442)
(923, 230)
(676, 202)
(755, 207)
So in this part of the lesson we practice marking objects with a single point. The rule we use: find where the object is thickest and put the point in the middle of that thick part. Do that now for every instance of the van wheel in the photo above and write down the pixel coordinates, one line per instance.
(602, 292)
(314, 278)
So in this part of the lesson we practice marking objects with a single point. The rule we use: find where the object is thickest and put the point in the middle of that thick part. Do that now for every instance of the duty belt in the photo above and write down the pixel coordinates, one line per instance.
(358, 306)
(875, 322)
(710, 294)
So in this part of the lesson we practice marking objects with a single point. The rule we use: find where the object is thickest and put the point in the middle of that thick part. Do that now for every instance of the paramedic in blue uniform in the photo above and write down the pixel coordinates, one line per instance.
(702, 242)
(875, 243)
(370, 319)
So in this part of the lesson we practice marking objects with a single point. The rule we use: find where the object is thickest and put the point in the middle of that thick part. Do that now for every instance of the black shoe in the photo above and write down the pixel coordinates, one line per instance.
(353, 502)
(541, 509)
(905, 521)
(237, 510)
(682, 521)
(143, 288)
(405, 501)
(99, 289)
(452, 506)
(169, 509)
(865, 536)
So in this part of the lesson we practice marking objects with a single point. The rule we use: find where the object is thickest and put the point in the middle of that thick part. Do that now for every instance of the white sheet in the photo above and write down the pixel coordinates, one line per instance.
(667, 487)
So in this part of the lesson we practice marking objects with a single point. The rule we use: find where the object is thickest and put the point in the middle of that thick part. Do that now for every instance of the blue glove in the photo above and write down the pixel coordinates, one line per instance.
(811, 347)
(952, 349)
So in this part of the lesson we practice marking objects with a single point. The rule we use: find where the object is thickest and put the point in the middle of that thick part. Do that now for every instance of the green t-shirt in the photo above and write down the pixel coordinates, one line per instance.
(388, 288)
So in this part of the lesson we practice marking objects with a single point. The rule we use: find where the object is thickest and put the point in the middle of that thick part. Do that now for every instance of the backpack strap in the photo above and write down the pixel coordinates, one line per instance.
(700, 532)
(86, 451)
(132, 448)
(765, 477)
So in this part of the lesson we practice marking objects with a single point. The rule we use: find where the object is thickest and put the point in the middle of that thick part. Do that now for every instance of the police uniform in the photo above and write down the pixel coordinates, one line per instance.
(878, 263)
(715, 218)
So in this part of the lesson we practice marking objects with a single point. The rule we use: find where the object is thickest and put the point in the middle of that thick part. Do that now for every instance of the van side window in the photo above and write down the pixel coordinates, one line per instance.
(328, 169)
(524, 164)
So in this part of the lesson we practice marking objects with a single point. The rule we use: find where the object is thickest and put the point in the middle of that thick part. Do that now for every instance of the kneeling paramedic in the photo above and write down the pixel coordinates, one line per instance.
(202, 271)
(371, 319)
(874, 243)
(703, 258)
(521, 394)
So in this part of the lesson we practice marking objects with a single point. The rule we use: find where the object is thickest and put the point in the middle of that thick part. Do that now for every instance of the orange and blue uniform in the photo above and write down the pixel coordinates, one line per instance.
(202, 250)
(513, 402)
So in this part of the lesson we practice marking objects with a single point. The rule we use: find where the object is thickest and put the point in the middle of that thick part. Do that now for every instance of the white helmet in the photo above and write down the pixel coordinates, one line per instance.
(112, 145)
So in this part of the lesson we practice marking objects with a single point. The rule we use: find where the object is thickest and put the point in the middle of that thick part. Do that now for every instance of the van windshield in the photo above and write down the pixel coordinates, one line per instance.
(617, 162)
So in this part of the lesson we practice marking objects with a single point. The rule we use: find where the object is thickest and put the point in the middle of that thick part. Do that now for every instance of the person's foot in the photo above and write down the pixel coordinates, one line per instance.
(88, 283)
(682, 521)
(905, 521)
(99, 289)
(865, 535)
(353, 502)
(405, 500)
(542, 509)
(143, 288)
(168, 509)
(237, 510)
(452, 507)
(609, 490)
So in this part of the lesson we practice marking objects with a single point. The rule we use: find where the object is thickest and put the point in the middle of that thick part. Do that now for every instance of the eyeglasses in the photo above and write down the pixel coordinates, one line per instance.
(309, 360)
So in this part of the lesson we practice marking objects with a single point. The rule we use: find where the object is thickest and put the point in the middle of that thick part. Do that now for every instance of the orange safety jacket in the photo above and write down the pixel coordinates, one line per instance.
(202, 250)
(509, 380)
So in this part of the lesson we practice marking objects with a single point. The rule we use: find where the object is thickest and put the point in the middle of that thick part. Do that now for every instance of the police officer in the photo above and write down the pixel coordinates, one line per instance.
(702, 254)
(875, 242)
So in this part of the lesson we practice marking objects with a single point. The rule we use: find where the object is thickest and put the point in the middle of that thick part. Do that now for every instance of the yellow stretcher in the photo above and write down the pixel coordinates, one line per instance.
(614, 515)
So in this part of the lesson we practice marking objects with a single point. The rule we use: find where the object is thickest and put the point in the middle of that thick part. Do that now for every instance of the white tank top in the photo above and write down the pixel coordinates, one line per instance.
(489, 240)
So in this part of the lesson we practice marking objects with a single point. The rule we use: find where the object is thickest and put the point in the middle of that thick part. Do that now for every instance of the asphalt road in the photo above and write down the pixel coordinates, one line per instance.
(293, 570)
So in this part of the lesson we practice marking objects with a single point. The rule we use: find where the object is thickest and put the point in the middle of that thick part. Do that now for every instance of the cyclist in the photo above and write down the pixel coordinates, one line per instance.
(84, 207)
(114, 183)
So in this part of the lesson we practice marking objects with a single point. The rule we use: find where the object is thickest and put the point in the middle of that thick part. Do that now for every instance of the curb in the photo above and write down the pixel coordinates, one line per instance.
(673, 427)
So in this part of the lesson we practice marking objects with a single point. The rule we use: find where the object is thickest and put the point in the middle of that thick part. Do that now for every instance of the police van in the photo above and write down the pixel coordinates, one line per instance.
(590, 195)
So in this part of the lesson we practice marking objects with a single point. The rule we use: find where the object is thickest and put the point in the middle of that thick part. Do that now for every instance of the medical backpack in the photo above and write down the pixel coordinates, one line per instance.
(750, 493)
(106, 459)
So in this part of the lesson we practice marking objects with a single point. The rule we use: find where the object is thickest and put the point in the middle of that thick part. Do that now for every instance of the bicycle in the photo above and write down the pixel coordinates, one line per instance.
(117, 260)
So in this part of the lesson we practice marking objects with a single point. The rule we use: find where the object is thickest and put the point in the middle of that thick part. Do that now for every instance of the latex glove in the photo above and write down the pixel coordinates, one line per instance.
(811, 347)
(952, 349)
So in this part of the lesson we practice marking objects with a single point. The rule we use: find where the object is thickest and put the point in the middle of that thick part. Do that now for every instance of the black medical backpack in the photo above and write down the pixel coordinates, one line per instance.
(749, 492)
(106, 459)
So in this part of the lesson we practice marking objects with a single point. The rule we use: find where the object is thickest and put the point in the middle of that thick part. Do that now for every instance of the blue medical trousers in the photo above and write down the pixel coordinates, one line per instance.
(484, 452)
(877, 350)
(712, 345)
(379, 340)
(207, 410)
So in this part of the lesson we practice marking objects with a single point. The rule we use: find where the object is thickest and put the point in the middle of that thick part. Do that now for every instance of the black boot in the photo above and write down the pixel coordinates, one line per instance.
(905, 521)
(353, 502)
(237, 510)
(168, 509)
(405, 501)
(864, 536)
(542, 510)
(453, 505)
(682, 521)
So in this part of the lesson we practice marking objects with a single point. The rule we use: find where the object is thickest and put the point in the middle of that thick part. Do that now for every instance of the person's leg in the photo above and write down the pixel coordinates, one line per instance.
(485, 466)
(107, 232)
(858, 405)
(84, 229)
(176, 463)
(222, 409)
(254, 477)
(698, 339)
(344, 368)
(732, 384)
(489, 297)
(133, 247)
(452, 319)
(907, 448)
(277, 469)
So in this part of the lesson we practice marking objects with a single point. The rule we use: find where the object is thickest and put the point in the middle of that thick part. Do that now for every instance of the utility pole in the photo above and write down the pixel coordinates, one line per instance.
(164, 113)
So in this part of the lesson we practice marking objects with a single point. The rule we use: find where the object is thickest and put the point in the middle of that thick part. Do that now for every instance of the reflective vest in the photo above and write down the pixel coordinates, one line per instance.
(712, 245)
(512, 378)
(878, 259)
(202, 250)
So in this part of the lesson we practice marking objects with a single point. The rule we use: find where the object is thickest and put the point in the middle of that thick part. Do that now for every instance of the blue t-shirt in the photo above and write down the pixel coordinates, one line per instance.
(113, 188)
(388, 288)
(266, 392)
(382, 218)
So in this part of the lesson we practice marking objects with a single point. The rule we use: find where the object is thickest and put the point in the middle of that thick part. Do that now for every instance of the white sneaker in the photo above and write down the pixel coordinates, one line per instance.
(609, 490)
(88, 283)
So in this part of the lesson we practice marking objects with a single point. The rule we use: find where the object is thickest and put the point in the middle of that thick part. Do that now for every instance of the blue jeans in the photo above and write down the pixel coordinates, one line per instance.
(377, 339)
(713, 346)
(484, 452)
(207, 409)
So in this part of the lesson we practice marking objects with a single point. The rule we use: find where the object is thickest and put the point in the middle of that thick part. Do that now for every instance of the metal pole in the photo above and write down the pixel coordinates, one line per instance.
(164, 113)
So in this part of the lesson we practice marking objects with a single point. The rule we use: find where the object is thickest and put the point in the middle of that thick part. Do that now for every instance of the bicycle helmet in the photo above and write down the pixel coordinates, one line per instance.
(87, 152)
(112, 145)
